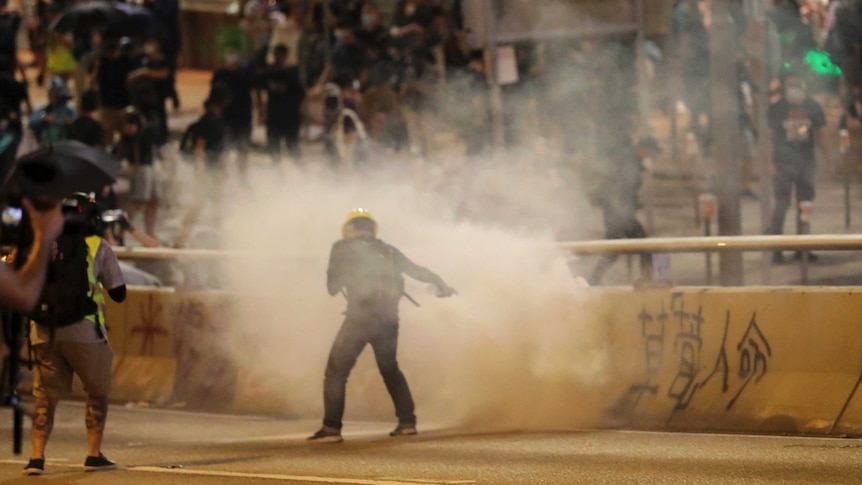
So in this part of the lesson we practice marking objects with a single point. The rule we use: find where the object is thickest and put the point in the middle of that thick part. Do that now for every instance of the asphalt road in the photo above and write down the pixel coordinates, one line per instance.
(167, 447)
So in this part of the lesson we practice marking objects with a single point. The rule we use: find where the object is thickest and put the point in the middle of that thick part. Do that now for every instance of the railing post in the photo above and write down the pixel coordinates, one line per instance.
(845, 166)
(804, 228)
(707, 211)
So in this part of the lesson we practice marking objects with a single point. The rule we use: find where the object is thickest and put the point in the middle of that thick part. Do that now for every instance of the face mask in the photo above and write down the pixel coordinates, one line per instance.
(232, 59)
(339, 35)
(795, 95)
(367, 21)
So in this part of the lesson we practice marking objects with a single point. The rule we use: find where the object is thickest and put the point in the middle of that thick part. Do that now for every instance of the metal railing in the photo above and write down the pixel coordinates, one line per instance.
(718, 244)
(705, 245)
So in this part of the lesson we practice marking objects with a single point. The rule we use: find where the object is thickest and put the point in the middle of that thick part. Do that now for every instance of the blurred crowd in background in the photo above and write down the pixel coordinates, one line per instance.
(374, 81)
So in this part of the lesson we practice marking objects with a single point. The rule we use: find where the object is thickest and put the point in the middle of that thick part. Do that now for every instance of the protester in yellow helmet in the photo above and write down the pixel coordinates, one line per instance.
(369, 273)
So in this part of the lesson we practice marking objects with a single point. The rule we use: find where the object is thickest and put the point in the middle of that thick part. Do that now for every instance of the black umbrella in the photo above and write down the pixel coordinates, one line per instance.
(137, 21)
(84, 17)
(66, 167)
(119, 19)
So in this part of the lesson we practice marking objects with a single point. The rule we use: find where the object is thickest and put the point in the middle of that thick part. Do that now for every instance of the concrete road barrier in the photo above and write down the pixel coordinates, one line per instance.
(749, 359)
(771, 360)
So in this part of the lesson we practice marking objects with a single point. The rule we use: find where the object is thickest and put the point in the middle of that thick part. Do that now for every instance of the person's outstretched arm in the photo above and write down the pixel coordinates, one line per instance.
(20, 290)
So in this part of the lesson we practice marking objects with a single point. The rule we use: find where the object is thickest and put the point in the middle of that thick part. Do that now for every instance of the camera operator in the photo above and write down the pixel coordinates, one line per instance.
(20, 289)
(68, 331)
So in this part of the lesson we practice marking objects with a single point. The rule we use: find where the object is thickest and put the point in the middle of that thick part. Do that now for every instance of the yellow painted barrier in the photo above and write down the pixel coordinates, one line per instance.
(167, 348)
(746, 359)
(776, 360)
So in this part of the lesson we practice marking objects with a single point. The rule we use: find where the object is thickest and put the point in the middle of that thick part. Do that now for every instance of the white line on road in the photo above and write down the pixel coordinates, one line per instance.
(267, 476)
(288, 478)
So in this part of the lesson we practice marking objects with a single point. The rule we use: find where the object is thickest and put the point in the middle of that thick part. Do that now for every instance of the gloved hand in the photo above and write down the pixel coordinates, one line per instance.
(445, 291)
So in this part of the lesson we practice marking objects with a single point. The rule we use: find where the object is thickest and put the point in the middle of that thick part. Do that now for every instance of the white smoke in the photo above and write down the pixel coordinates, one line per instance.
(512, 350)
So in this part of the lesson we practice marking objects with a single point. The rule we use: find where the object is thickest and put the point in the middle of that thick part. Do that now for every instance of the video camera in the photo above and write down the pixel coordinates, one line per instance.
(47, 176)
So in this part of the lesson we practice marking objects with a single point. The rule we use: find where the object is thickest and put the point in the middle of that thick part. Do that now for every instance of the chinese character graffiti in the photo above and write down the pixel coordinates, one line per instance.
(733, 372)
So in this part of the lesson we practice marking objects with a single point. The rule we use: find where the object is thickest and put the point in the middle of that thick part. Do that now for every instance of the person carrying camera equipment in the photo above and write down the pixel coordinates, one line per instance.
(68, 332)
(369, 273)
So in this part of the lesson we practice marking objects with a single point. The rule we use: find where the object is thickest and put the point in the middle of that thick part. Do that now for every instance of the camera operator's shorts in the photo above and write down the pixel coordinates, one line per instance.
(144, 184)
(56, 363)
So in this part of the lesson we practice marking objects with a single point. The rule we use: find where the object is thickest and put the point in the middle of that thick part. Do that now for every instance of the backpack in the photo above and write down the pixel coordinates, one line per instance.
(381, 280)
(66, 297)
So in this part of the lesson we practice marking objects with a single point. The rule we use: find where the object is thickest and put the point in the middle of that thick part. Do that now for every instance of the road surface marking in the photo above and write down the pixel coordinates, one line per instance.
(267, 476)
(435, 482)
(287, 478)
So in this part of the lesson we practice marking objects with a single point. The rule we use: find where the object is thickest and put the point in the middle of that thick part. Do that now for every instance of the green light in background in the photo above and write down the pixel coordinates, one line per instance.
(821, 63)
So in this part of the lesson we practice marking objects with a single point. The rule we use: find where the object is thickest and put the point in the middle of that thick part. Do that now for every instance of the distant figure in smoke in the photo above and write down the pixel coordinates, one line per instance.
(618, 198)
(796, 122)
(369, 273)
(692, 37)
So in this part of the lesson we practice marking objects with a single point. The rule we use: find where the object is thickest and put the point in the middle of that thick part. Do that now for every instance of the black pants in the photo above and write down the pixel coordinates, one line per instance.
(355, 333)
(289, 133)
(790, 178)
(628, 228)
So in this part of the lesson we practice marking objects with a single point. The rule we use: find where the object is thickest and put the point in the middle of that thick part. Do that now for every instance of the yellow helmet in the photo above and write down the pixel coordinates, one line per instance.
(354, 215)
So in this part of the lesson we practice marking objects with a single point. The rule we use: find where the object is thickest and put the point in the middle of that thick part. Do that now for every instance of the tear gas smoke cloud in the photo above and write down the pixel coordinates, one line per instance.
(511, 351)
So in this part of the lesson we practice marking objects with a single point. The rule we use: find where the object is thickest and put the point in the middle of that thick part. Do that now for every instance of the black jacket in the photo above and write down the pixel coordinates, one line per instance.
(369, 272)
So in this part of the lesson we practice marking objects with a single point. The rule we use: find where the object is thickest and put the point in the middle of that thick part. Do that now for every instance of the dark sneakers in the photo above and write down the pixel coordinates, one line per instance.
(98, 463)
(36, 466)
(404, 430)
(326, 435)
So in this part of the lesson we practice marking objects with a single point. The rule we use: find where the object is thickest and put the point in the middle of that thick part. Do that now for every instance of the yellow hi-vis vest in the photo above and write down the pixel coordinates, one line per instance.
(93, 243)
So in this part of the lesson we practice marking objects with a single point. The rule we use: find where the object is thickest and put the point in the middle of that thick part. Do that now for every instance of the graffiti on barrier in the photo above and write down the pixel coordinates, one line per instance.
(151, 313)
(205, 372)
(673, 336)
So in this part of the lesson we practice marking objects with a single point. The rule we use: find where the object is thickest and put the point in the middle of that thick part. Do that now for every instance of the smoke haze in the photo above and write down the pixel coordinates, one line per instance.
(511, 351)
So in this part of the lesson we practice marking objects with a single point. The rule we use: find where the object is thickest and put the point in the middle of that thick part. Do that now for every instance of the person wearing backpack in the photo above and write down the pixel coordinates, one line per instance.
(68, 334)
(368, 272)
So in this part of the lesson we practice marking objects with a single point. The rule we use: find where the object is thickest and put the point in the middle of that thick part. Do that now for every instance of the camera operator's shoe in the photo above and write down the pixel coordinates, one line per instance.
(326, 435)
(98, 463)
(36, 466)
(404, 430)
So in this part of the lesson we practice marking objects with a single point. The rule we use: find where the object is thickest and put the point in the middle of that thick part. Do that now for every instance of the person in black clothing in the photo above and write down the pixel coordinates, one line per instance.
(112, 70)
(239, 78)
(283, 117)
(347, 56)
(168, 11)
(617, 196)
(13, 94)
(369, 273)
(373, 34)
(796, 122)
(86, 128)
(208, 137)
(136, 145)
(471, 108)
(10, 23)
(150, 86)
